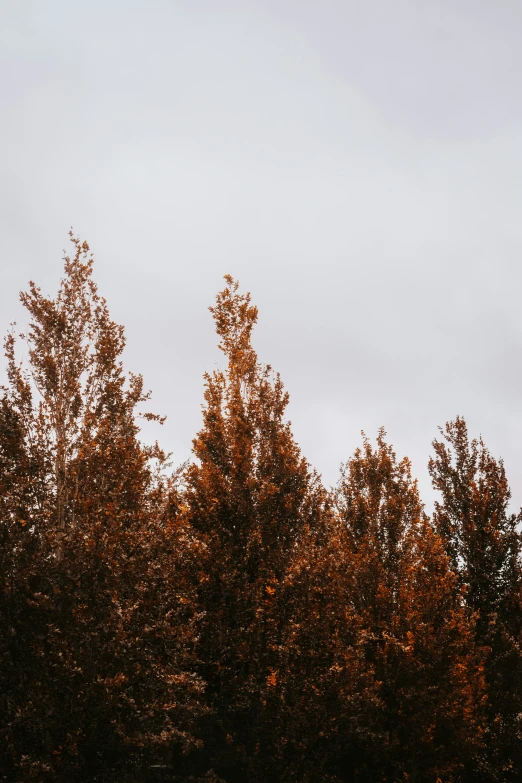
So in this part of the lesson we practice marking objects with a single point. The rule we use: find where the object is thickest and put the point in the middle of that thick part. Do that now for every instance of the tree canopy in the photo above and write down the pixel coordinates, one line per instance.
(234, 619)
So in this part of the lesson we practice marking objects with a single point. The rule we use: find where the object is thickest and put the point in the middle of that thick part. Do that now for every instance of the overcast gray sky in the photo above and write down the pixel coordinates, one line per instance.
(356, 165)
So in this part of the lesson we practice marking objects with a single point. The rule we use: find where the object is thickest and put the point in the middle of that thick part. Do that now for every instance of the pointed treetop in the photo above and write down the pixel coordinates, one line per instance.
(235, 317)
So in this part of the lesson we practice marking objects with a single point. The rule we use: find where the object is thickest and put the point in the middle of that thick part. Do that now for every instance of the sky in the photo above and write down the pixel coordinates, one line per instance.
(357, 166)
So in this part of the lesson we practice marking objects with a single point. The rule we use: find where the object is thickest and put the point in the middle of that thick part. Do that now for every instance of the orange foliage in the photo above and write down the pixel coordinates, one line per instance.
(235, 620)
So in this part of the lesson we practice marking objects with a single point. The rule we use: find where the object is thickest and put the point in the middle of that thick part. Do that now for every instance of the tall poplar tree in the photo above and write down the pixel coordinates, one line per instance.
(417, 636)
(481, 538)
(96, 610)
(249, 494)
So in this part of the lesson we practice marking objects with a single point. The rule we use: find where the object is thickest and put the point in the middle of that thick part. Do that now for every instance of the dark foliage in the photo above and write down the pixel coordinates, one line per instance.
(235, 620)
(481, 538)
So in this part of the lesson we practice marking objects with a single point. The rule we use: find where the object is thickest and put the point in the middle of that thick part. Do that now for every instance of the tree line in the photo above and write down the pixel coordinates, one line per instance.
(235, 620)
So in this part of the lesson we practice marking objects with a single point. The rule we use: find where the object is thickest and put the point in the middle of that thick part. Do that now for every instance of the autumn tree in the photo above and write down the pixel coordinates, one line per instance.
(248, 495)
(480, 536)
(97, 607)
(417, 637)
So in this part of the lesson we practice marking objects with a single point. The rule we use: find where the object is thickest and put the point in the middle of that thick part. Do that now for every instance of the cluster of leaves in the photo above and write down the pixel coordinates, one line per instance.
(235, 620)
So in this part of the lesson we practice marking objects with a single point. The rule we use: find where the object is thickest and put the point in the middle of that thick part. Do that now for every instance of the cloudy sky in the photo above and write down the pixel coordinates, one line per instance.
(356, 165)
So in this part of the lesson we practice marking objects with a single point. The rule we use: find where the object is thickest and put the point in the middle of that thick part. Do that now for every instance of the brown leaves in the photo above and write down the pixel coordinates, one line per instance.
(100, 598)
(235, 616)
(414, 628)
(481, 539)
(271, 679)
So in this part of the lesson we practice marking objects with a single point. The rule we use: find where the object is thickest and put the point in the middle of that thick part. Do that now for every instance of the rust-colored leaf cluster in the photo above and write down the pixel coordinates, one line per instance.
(235, 620)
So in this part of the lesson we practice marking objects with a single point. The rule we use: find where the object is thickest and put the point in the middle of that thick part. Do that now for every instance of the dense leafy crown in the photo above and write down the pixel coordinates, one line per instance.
(235, 619)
